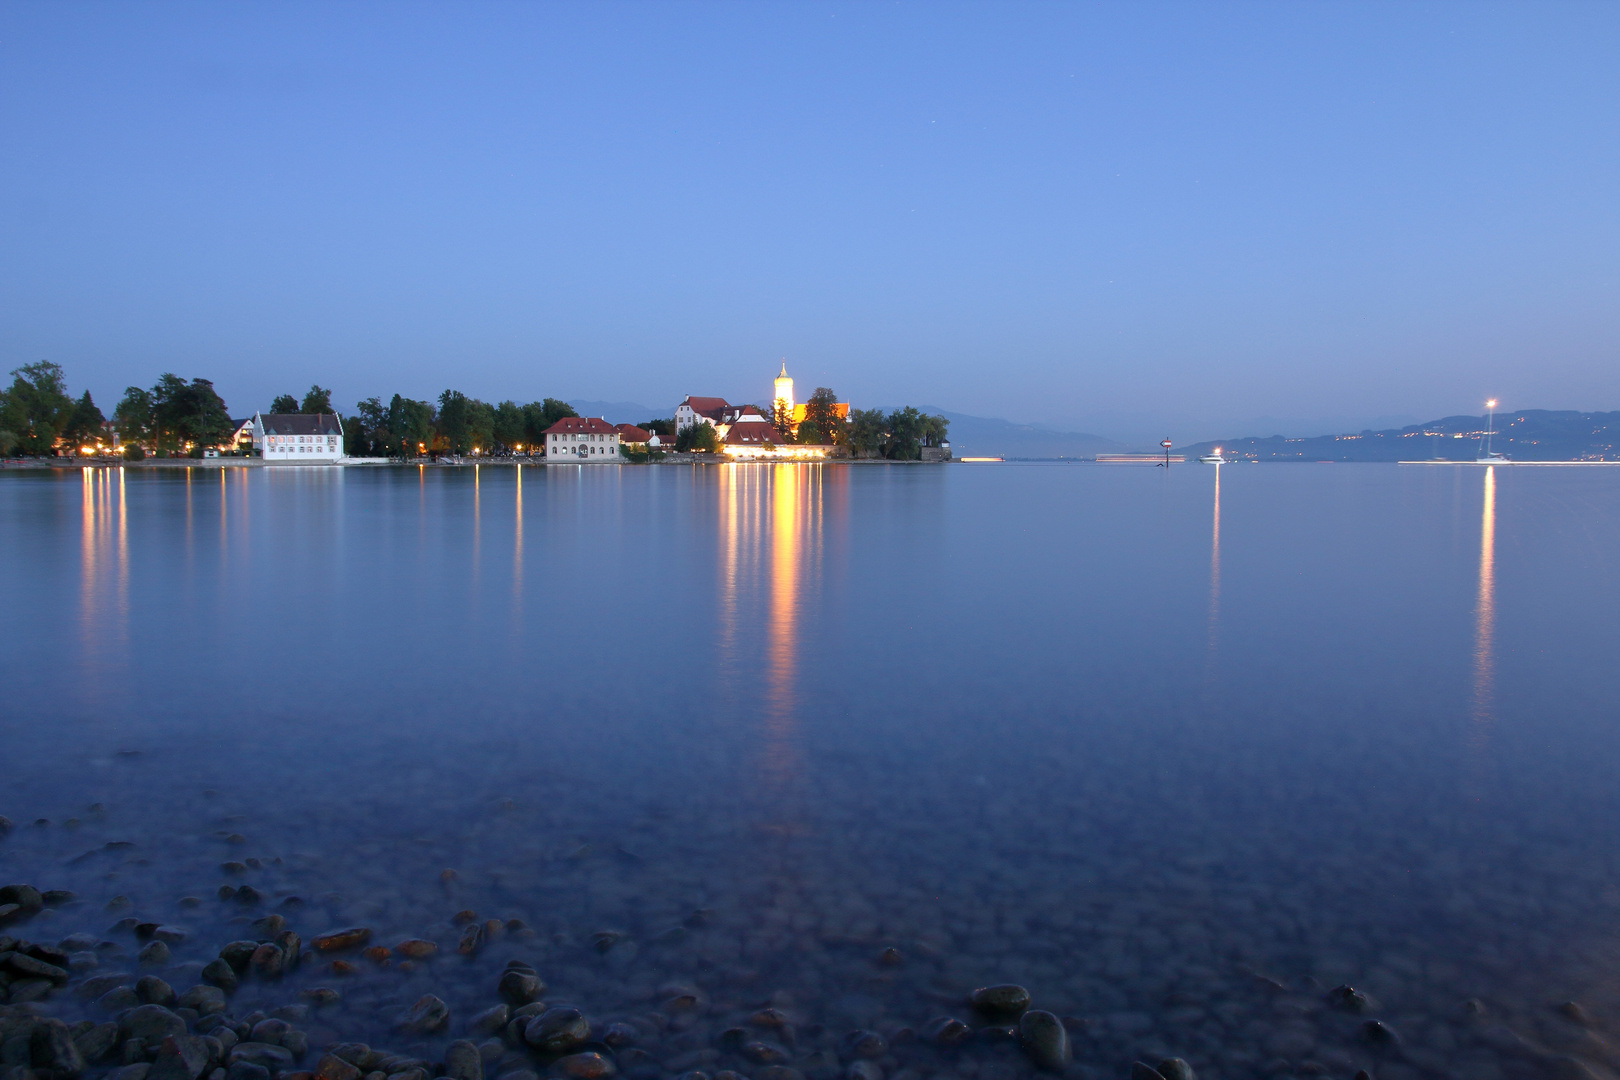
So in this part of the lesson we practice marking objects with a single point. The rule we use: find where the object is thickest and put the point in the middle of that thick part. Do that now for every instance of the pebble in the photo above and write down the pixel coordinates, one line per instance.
(463, 1061)
(182, 1057)
(490, 1020)
(587, 1066)
(427, 1016)
(332, 1067)
(154, 954)
(220, 974)
(557, 1030)
(150, 1024)
(154, 991)
(1045, 1040)
(947, 1031)
(416, 948)
(338, 940)
(1005, 999)
(863, 1044)
(51, 1046)
(1177, 1069)
(520, 987)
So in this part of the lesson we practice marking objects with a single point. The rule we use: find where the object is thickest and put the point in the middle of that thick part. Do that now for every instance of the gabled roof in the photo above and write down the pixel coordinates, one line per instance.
(300, 424)
(753, 435)
(582, 425)
(631, 433)
(711, 407)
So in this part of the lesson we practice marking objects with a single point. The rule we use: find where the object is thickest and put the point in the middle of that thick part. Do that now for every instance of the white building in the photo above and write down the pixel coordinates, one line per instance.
(695, 410)
(298, 438)
(582, 440)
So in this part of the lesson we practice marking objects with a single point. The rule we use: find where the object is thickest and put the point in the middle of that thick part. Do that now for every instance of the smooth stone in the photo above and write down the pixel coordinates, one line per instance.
(947, 1031)
(267, 961)
(237, 954)
(118, 999)
(1176, 1069)
(521, 987)
(337, 940)
(246, 1070)
(764, 1053)
(151, 1024)
(1140, 1070)
(51, 1046)
(274, 1058)
(154, 954)
(586, 1066)
(427, 1016)
(182, 1057)
(490, 1020)
(1004, 999)
(619, 1035)
(291, 946)
(97, 1042)
(1045, 1040)
(206, 1000)
(332, 1067)
(863, 1070)
(137, 1071)
(416, 948)
(463, 1061)
(556, 1030)
(154, 991)
(269, 1031)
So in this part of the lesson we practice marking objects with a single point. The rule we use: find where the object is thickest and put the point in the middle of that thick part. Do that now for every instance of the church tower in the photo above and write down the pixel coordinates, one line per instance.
(784, 391)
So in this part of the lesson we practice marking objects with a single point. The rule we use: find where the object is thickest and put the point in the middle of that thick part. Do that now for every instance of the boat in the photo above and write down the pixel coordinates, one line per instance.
(1491, 457)
(1212, 459)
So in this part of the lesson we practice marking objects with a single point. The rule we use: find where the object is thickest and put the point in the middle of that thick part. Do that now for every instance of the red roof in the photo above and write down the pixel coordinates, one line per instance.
(631, 433)
(582, 425)
(753, 434)
(706, 406)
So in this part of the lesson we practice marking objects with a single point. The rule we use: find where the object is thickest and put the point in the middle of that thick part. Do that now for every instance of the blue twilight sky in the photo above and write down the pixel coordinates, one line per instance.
(1115, 217)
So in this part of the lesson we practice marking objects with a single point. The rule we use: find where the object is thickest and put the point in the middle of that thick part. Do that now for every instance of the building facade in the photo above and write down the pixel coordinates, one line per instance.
(298, 438)
(582, 440)
(694, 410)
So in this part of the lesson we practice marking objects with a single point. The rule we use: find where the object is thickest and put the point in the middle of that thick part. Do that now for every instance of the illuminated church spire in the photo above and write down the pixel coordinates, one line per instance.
(784, 391)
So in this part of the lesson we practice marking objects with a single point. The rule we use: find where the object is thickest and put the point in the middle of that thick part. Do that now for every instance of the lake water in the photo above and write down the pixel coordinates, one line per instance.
(1179, 751)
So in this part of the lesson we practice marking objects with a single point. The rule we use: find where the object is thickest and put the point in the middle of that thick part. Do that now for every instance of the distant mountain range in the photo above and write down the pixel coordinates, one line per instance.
(620, 412)
(1527, 435)
(985, 436)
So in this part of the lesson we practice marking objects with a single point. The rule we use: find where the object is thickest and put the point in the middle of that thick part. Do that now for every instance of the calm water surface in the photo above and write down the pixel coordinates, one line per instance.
(1178, 752)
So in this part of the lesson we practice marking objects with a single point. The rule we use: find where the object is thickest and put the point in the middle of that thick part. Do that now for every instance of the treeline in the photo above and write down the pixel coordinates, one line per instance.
(455, 424)
(40, 419)
(37, 414)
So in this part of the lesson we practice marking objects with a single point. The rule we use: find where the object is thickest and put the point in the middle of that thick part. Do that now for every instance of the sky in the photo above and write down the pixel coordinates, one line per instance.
(1130, 219)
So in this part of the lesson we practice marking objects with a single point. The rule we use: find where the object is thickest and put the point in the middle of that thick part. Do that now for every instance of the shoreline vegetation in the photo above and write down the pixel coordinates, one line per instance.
(180, 419)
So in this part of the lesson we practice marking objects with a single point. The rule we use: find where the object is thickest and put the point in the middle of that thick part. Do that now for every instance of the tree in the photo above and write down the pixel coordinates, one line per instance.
(455, 420)
(510, 427)
(188, 415)
(284, 405)
(318, 400)
(868, 428)
(134, 418)
(367, 434)
(84, 426)
(935, 430)
(481, 425)
(905, 435)
(821, 425)
(699, 438)
(782, 418)
(666, 428)
(411, 423)
(36, 408)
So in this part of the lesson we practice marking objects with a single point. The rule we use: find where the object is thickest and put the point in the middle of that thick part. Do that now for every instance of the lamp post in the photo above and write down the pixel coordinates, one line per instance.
(1166, 445)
